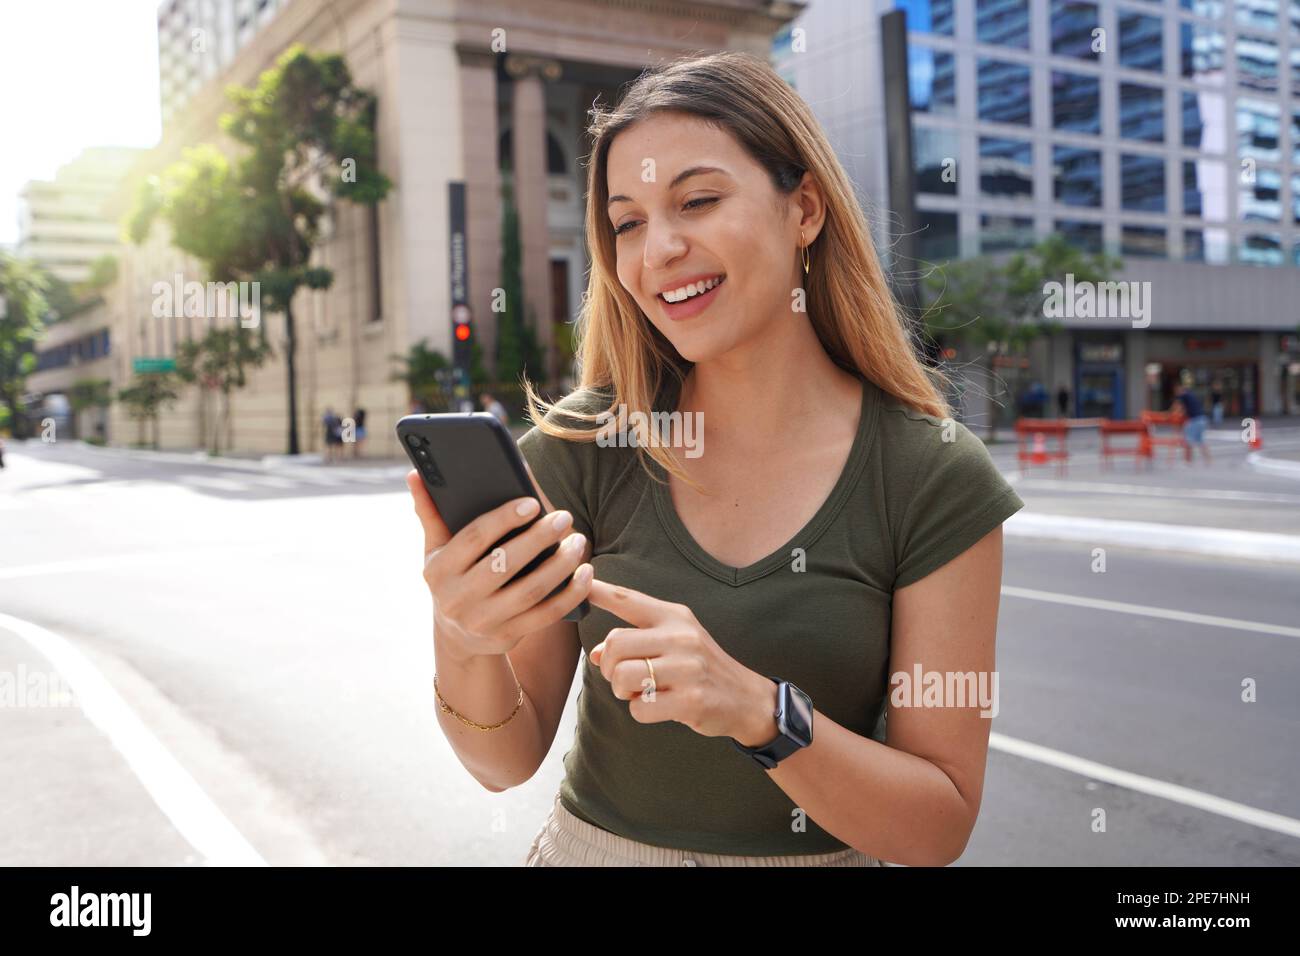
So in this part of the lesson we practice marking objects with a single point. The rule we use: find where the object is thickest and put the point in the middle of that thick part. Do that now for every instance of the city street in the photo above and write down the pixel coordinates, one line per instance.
(251, 650)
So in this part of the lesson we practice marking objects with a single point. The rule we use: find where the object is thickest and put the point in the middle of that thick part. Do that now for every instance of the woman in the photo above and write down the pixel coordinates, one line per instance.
(836, 526)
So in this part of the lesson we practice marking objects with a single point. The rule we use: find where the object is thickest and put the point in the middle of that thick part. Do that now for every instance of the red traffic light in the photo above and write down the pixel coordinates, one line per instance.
(462, 333)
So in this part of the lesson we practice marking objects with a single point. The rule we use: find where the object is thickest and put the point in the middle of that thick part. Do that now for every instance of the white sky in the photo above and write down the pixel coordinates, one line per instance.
(73, 73)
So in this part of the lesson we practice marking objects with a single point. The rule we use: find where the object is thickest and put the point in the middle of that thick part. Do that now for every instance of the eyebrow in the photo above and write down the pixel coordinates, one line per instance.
(681, 177)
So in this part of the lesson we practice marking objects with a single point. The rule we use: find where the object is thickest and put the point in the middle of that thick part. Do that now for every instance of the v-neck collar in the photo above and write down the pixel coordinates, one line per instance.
(804, 538)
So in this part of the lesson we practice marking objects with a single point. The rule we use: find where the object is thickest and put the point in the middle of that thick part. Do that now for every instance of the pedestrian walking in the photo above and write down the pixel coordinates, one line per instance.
(333, 435)
(359, 434)
(1063, 402)
(1194, 426)
(492, 406)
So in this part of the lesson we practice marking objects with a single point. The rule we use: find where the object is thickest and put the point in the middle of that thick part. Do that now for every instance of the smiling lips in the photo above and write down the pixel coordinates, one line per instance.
(691, 299)
(690, 289)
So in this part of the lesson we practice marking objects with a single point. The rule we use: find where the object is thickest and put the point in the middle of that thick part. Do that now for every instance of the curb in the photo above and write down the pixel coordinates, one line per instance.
(310, 463)
(1274, 466)
(1153, 536)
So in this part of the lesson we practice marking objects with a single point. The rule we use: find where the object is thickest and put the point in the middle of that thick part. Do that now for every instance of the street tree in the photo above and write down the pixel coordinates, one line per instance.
(309, 138)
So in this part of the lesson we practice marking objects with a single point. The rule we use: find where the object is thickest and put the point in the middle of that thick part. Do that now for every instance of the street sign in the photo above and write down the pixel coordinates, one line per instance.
(153, 365)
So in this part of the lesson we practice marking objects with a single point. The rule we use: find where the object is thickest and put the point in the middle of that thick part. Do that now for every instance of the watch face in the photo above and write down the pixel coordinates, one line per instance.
(797, 714)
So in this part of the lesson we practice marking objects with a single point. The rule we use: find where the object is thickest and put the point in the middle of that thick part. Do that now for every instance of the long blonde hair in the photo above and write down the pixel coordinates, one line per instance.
(848, 298)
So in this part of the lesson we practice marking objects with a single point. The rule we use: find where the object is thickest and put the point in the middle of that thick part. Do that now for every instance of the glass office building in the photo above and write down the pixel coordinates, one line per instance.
(1166, 132)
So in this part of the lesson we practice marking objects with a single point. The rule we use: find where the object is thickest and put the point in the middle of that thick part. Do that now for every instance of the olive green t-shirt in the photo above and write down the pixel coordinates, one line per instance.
(913, 495)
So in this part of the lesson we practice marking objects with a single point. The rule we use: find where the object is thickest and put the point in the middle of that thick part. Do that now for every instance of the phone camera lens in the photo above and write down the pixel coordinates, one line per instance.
(413, 440)
(422, 453)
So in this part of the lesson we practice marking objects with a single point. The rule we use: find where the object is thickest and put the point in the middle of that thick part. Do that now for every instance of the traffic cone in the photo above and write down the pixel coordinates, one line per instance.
(1039, 456)
(1256, 443)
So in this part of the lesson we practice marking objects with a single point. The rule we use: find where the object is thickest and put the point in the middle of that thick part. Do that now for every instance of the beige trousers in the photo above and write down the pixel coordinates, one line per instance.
(567, 840)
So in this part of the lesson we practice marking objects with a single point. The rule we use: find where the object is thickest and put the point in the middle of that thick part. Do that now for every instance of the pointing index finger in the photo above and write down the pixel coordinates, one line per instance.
(639, 610)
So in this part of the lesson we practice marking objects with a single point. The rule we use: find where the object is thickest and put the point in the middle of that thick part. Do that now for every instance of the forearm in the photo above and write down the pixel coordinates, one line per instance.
(484, 690)
(888, 803)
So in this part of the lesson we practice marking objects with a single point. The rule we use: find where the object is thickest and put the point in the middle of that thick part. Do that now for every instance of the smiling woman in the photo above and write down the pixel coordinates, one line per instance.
(750, 603)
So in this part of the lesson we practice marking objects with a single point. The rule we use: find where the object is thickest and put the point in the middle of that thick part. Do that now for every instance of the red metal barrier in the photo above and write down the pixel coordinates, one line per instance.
(1141, 450)
(1175, 441)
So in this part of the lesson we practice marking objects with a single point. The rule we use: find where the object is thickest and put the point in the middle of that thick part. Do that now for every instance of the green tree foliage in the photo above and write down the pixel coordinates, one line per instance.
(23, 307)
(218, 363)
(517, 349)
(996, 304)
(147, 395)
(309, 137)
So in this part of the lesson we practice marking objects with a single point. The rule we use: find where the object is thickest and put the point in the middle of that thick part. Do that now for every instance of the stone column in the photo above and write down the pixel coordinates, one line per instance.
(528, 105)
(478, 94)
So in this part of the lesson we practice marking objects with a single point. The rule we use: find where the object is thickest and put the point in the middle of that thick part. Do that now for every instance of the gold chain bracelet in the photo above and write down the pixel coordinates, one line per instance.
(448, 709)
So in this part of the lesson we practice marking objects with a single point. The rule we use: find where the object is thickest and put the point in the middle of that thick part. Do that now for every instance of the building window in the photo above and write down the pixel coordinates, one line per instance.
(937, 237)
(1295, 198)
(1085, 236)
(1201, 51)
(1197, 109)
(1191, 191)
(1004, 95)
(1260, 250)
(1142, 182)
(1147, 241)
(1295, 136)
(1141, 112)
(1141, 44)
(1212, 9)
(1072, 29)
(936, 160)
(1258, 129)
(1257, 64)
(1205, 189)
(1076, 176)
(1005, 233)
(1006, 168)
(1076, 102)
(1258, 14)
(931, 80)
(1003, 22)
(1295, 67)
(928, 16)
(1261, 200)
(1205, 245)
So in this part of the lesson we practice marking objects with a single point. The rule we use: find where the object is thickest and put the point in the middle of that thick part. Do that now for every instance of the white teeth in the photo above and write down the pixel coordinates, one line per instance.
(686, 291)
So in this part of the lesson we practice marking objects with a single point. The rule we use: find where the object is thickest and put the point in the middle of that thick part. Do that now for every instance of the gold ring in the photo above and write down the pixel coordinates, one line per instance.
(652, 671)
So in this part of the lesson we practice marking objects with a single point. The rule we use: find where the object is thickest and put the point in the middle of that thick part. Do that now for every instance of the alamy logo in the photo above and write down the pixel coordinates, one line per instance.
(210, 300)
(102, 909)
(670, 429)
(945, 689)
(1098, 300)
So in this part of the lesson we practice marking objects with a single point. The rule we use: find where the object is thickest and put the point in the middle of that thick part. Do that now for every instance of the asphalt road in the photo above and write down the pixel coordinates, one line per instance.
(269, 635)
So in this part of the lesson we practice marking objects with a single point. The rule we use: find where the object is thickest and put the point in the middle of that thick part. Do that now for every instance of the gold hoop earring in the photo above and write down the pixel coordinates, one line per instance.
(805, 254)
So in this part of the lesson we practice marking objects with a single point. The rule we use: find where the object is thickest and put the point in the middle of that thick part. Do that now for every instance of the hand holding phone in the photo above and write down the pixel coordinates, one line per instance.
(502, 575)
(474, 613)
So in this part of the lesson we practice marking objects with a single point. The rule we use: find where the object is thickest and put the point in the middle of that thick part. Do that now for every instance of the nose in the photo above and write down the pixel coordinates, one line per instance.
(663, 245)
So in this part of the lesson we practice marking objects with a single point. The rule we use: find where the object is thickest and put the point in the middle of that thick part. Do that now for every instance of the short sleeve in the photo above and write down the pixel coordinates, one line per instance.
(960, 497)
(566, 470)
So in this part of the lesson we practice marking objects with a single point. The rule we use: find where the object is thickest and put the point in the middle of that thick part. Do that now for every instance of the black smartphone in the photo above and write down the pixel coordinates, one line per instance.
(470, 464)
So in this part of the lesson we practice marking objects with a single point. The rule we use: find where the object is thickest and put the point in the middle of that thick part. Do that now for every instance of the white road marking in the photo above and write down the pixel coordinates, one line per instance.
(1148, 785)
(1142, 610)
(111, 562)
(1110, 488)
(1157, 536)
(176, 793)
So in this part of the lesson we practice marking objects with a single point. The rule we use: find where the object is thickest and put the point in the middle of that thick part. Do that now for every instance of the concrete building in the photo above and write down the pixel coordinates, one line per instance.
(62, 226)
(470, 97)
(1163, 131)
(197, 39)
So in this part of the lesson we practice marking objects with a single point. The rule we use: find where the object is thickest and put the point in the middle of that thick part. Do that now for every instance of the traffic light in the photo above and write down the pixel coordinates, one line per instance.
(462, 339)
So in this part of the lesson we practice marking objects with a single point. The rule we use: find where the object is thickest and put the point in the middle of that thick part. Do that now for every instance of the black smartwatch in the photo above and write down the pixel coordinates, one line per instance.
(794, 720)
